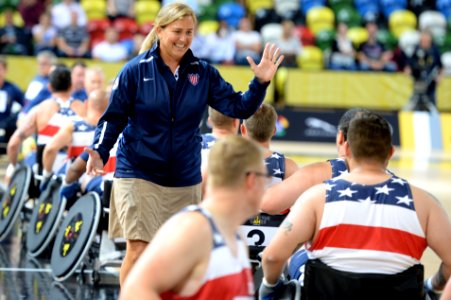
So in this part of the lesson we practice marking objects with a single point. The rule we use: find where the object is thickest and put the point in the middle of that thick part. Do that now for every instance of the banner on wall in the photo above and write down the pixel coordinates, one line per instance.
(319, 125)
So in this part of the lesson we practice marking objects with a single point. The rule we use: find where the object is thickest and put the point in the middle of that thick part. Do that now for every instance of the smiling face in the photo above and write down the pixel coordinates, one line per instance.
(175, 38)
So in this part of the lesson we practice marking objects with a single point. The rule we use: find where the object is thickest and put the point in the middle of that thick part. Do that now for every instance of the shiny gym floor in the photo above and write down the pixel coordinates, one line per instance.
(22, 277)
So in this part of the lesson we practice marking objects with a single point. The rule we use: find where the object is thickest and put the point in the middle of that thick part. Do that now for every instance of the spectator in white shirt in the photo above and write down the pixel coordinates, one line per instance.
(61, 14)
(110, 50)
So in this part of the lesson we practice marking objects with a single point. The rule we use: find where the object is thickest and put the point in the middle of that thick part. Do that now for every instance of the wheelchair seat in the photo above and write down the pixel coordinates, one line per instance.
(75, 236)
(13, 200)
(45, 219)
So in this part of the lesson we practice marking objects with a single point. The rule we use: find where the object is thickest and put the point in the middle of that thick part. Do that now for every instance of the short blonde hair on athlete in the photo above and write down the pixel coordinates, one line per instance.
(167, 14)
(230, 159)
(219, 120)
(260, 126)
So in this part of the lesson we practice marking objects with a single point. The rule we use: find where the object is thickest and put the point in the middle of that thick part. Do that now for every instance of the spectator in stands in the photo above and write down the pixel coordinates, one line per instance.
(289, 44)
(425, 64)
(219, 46)
(44, 34)
(372, 55)
(62, 14)
(78, 72)
(73, 40)
(110, 50)
(9, 94)
(45, 61)
(247, 42)
(31, 10)
(121, 9)
(14, 40)
(343, 56)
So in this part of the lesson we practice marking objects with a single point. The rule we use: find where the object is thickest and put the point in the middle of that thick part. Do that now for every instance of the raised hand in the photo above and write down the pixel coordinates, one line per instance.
(266, 69)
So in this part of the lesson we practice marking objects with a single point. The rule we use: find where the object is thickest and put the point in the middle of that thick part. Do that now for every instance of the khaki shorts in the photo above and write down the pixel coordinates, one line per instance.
(139, 207)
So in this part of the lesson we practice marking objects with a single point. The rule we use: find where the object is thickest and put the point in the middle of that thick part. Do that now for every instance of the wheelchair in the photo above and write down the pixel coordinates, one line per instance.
(46, 216)
(258, 232)
(81, 243)
(14, 198)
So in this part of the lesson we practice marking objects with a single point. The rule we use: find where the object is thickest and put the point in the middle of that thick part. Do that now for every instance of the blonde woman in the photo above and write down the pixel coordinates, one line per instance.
(157, 103)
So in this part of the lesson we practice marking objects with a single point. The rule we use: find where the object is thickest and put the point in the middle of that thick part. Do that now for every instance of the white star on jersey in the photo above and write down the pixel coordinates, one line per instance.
(277, 171)
(210, 144)
(329, 186)
(398, 180)
(367, 200)
(83, 127)
(404, 200)
(348, 192)
(275, 155)
(385, 189)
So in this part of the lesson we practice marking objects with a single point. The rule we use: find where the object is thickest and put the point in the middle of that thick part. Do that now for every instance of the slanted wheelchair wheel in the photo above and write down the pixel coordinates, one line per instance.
(45, 219)
(13, 200)
(75, 235)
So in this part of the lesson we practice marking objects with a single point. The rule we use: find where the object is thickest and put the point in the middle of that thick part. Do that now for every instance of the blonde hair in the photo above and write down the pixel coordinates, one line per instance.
(260, 126)
(219, 120)
(230, 159)
(167, 14)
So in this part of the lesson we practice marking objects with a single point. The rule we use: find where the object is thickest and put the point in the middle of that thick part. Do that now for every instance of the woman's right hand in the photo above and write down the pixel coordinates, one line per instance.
(94, 167)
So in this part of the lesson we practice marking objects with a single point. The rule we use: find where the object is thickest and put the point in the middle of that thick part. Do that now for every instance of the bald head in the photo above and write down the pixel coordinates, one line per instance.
(97, 101)
(94, 79)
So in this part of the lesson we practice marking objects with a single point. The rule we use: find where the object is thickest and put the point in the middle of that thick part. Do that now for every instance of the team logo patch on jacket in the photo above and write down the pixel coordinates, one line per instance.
(193, 78)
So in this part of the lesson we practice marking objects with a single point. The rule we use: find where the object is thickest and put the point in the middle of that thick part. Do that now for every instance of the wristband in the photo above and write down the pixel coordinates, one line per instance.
(270, 285)
(10, 170)
(430, 287)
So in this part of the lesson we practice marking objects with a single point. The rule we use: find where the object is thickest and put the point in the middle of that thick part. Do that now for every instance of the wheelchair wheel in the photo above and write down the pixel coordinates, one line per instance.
(75, 236)
(45, 219)
(14, 199)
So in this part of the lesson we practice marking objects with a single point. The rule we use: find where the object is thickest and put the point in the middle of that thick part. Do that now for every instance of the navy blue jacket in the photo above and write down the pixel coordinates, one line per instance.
(160, 125)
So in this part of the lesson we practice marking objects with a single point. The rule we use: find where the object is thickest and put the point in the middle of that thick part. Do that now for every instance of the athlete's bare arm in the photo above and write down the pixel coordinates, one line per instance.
(176, 258)
(437, 227)
(76, 170)
(283, 195)
(290, 167)
(61, 139)
(26, 128)
(298, 227)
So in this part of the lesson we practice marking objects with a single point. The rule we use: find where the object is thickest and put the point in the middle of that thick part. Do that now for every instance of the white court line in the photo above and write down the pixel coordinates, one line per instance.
(25, 270)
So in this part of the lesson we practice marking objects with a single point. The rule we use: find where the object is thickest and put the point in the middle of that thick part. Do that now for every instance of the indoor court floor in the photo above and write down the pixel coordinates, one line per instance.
(22, 277)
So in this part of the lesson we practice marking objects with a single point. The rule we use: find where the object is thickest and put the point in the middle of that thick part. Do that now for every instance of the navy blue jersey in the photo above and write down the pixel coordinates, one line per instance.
(159, 117)
(339, 166)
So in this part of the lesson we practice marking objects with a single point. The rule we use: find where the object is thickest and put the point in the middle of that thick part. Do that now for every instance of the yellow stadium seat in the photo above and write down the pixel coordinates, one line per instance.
(320, 18)
(146, 11)
(17, 19)
(357, 35)
(95, 9)
(401, 21)
(208, 26)
(311, 58)
(281, 80)
(255, 5)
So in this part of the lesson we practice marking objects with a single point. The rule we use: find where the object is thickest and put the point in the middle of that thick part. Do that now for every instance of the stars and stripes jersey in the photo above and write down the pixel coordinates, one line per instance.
(208, 140)
(82, 137)
(339, 167)
(227, 276)
(369, 228)
(59, 119)
(276, 167)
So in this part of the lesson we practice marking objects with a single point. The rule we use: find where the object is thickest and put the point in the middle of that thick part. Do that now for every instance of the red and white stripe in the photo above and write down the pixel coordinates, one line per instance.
(80, 140)
(227, 277)
(110, 166)
(363, 237)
